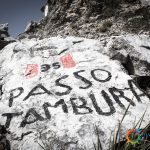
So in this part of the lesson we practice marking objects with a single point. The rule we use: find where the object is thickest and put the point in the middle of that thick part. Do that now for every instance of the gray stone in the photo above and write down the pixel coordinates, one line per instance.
(5, 39)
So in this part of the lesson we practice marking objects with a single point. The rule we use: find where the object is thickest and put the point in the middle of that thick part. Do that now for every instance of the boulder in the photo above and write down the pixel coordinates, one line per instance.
(5, 39)
(133, 51)
(56, 90)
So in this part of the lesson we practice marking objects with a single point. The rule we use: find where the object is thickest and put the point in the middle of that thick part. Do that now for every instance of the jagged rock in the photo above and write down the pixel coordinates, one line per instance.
(5, 39)
(74, 18)
(4, 27)
(56, 90)
(31, 26)
(3, 31)
(143, 82)
(132, 52)
(45, 9)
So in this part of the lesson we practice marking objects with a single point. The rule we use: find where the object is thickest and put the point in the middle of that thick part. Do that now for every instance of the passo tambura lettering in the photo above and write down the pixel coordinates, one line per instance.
(79, 104)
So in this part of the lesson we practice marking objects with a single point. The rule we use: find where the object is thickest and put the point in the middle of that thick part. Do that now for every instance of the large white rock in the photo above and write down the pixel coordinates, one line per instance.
(58, 89)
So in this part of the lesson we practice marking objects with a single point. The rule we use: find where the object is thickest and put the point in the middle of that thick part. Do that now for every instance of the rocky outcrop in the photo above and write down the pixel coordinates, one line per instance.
(5, 39)
(100, 20)
(4, 31)
(93, 18)
(132, 51)
(56, 90)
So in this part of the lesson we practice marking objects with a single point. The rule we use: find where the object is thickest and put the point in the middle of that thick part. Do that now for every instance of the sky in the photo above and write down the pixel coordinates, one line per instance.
(18, 13)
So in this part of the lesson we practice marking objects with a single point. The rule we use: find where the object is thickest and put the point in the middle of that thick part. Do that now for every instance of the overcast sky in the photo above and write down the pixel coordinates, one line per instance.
(19, 12)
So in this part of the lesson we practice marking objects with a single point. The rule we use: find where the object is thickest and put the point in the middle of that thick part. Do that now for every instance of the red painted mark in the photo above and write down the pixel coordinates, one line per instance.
(68, 61)
(31, 70)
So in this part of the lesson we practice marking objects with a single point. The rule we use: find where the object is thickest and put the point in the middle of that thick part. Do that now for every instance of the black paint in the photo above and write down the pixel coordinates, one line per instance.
(60, 102)
(89, 84)
(32, 112)
(11, 98)
(64, 106)
(64, 50)
(24, 134)
(56, 65)
(9, 117)
(45, 67)
(116, 97)
(1, 89)
(63, 85)
(108, 101)
(39, 86)
(76, 42)
(83, 106)
(47, 113)
(97, 79)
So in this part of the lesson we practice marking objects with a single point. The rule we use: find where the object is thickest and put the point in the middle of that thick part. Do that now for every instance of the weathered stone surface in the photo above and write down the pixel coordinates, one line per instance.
(5, 39)
(132, 51)
(87, 18)
(55, 90)
(4, 143)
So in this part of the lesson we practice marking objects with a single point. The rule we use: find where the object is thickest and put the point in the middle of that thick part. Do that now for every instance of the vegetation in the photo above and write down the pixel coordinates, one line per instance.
(123, 144)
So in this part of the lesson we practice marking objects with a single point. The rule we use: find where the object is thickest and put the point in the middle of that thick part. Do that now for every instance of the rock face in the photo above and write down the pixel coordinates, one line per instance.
(55, 90)
(5, 39)
(4, 30)
(92, 18)
(132, 51)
